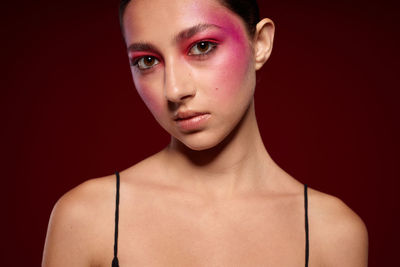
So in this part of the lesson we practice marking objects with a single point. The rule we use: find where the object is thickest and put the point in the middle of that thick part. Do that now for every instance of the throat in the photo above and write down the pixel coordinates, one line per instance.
(238, 165)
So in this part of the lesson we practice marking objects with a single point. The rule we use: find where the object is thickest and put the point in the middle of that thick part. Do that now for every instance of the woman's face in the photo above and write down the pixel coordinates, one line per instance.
(192, 64)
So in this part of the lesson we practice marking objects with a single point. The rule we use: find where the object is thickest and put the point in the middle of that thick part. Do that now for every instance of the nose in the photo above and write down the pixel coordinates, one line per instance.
(178, 83)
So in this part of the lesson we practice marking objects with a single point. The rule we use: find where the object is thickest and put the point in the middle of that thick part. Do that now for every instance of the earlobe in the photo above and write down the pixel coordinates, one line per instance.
(263, 41)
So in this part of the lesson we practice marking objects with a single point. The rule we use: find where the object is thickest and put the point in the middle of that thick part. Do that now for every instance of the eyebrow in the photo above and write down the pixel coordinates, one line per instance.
(190, 32)
(183, 35)
(141, 47)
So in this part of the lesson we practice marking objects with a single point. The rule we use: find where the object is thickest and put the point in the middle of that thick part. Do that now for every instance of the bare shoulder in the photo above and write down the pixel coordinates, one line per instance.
(337, 234)
(79, 224)
(85, 199)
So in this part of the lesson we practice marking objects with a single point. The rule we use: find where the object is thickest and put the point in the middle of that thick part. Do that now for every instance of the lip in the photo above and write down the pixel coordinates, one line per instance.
(191, 120)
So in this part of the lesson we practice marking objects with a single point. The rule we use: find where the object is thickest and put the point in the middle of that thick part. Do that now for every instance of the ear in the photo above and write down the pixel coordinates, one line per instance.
(263, 40)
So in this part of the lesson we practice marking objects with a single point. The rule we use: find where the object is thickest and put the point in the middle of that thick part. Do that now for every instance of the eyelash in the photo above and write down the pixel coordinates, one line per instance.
(200, 56)
(212, 44)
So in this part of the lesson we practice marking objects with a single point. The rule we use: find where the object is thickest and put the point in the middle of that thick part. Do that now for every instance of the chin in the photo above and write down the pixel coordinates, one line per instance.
(199, 147)
(201, 141)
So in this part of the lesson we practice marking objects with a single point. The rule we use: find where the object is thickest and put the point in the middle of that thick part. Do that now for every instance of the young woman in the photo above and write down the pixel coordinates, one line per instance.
(213, 196)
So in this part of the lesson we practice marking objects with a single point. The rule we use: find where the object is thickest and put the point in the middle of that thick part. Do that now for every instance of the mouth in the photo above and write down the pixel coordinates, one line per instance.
(191, 120)
(186, 115)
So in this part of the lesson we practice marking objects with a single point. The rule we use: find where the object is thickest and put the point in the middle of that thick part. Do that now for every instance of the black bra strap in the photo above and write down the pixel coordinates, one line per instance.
(306, 221)
(115, 259)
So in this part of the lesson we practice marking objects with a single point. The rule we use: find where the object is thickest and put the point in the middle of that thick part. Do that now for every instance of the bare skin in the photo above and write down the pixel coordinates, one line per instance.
(204, 200)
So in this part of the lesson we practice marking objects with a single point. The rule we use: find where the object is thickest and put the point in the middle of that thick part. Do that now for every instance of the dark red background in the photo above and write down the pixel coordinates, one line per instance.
(326, 104)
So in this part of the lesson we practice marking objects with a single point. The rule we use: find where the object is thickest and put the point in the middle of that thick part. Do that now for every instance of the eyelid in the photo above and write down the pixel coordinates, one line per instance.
(214, 43)
(135, 64)
(134, 60)
(136, 55)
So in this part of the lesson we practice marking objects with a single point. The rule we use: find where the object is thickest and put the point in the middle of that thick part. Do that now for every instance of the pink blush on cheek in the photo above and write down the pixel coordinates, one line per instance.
(150, 98)
(232, 70)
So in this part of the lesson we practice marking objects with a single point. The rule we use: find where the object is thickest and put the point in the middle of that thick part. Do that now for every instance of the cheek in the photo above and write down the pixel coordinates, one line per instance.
(233, 66)
(150, 96)
(230, 77)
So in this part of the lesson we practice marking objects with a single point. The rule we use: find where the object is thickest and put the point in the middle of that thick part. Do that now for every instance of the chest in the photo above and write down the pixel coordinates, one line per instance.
(212, 237)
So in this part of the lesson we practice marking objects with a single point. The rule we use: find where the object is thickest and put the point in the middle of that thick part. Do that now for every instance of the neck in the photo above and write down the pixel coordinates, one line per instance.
(239, 164)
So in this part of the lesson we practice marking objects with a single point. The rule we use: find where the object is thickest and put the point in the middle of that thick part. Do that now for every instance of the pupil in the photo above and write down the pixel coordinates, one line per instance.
(203, 46)
(148, 61)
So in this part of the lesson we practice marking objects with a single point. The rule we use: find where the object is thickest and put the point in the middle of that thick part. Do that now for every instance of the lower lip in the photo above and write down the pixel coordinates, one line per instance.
(193, 123)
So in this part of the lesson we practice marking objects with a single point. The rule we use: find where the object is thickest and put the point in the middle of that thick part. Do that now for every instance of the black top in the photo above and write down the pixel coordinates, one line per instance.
(115, 259)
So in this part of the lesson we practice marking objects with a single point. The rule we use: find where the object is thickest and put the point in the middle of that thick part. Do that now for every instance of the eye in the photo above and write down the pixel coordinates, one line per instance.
(202, 48)
(145, 62)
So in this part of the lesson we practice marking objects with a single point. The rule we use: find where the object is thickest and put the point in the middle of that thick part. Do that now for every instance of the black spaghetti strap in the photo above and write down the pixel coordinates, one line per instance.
(306, 222)
(115, 262)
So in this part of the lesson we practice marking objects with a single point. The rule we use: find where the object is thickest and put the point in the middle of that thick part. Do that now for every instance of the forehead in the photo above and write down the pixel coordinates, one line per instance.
(156, 19)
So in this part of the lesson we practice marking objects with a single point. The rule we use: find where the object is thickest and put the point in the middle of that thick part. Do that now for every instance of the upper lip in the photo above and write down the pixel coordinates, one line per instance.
(187, 114)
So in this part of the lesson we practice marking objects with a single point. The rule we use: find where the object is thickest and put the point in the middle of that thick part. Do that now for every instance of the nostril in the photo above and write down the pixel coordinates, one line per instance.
(172, 106)
(186, 96)
(180, 95)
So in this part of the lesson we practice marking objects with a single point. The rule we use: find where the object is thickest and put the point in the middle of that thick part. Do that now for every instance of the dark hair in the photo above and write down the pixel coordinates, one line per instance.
(247, 10)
